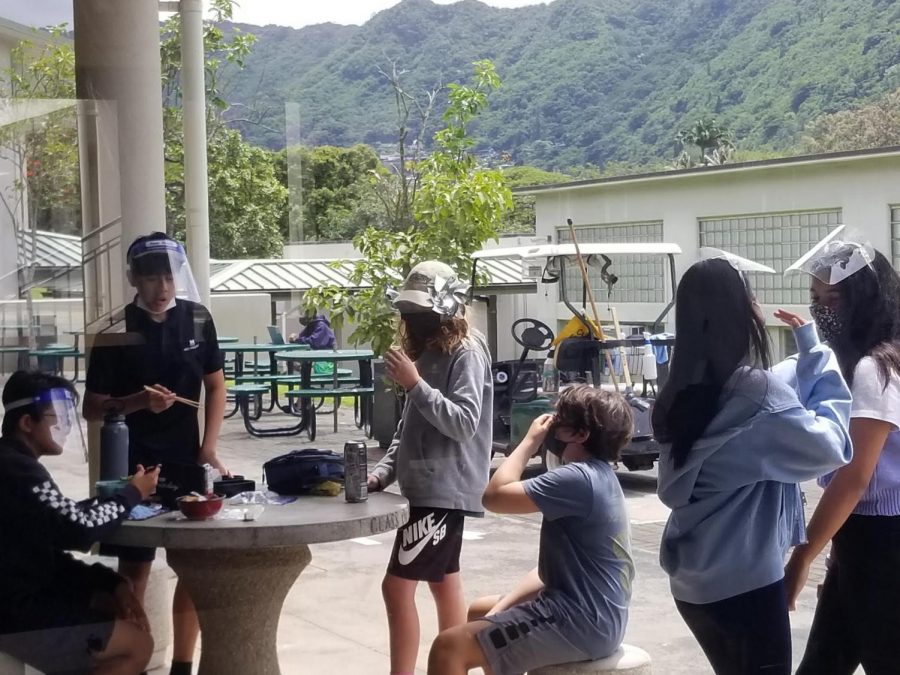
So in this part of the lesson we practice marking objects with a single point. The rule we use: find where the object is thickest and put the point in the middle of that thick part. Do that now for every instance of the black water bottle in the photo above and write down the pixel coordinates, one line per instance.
(113, 446)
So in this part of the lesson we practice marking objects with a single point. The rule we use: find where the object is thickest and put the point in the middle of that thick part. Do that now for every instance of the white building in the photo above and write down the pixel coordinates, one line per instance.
(771, 211)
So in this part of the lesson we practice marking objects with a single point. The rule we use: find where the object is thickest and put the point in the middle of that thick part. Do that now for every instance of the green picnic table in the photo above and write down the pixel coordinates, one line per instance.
(240, 349)
(360, 391)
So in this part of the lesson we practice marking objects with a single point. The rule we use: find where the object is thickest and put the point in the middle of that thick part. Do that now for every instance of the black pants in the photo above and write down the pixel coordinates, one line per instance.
(747, 634)
(857, 619)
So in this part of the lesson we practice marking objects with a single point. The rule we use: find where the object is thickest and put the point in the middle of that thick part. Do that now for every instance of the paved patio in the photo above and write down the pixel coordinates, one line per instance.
(334, 617)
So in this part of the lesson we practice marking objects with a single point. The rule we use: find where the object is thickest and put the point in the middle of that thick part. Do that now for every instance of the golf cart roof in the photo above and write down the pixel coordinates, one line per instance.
(556, 250)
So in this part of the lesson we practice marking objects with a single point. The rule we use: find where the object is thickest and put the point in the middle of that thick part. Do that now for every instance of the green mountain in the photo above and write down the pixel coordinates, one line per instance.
(584, 81)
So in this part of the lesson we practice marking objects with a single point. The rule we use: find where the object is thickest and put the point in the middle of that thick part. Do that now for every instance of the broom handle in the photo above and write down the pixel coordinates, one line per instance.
(590, 292)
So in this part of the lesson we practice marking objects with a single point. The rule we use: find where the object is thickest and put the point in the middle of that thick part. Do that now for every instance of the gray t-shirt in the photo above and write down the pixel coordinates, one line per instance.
(585, 553)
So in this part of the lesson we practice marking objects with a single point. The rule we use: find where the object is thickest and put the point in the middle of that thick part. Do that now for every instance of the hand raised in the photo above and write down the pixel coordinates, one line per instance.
(159, 398)
(540, 427)
(145, 481)
(401, 369)
(790, 319)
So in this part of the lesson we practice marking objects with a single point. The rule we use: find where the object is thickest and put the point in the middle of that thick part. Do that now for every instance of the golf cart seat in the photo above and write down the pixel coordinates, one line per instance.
(578, 360)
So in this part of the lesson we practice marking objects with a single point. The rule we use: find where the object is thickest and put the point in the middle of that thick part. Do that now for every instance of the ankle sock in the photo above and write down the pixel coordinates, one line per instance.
(181, 668)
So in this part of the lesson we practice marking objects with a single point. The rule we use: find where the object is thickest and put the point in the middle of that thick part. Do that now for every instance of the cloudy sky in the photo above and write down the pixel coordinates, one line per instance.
(294, 13)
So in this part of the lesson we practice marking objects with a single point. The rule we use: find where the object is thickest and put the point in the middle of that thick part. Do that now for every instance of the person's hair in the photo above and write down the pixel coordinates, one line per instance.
(605, 415)
(432, 332)
(24, 384)
(717, 329)
(870, 315)
(151, 264)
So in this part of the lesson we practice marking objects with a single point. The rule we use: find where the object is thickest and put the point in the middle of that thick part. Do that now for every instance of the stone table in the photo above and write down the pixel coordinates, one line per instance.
(238, 573)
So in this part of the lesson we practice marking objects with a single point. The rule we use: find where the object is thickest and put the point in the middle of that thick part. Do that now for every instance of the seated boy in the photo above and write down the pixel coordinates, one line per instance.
(58, 614)
(574, 607)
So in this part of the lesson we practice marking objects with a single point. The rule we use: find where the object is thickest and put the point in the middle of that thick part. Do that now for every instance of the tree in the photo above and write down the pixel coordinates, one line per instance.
(39, 146)
(871, 126)
(247, 200)
(334, 198)
(714, 143)
(42, 148)
(521, 219)
(457, 207)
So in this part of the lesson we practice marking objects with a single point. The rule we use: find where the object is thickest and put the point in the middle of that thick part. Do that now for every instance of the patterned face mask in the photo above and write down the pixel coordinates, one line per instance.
(828, 321)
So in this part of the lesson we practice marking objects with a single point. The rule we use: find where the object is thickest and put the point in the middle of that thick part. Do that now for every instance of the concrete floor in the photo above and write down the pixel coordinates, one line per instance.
(333, 617)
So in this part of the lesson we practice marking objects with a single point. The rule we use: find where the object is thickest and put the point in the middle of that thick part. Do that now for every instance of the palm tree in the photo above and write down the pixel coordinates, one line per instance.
(712, 140)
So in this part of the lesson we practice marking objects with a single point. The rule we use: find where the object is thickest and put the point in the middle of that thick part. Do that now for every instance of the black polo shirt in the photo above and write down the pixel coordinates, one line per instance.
(175, 353)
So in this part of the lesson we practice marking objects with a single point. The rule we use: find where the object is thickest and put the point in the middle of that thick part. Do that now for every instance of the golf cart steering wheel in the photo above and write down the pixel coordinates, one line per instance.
(532, 334)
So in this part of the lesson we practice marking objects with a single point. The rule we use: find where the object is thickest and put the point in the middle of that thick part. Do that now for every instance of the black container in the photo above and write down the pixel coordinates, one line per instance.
(113, 447)
(386, 407)
(229, 487)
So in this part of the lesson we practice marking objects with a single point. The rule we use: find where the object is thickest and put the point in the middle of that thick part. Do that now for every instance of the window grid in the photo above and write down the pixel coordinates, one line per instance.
(774, 239)
(895, 235)
(641, 277)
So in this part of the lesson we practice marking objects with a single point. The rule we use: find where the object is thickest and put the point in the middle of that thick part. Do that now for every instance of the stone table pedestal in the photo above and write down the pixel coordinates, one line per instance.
(238, 595)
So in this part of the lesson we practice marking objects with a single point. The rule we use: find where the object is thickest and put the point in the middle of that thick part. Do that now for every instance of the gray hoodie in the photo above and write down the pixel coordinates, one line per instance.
(441, 453)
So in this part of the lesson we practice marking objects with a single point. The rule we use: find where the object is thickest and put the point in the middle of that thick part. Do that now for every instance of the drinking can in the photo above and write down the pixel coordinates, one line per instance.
(356, 471)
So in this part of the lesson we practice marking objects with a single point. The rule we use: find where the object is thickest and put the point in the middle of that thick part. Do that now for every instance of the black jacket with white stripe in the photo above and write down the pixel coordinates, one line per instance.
(38, 525)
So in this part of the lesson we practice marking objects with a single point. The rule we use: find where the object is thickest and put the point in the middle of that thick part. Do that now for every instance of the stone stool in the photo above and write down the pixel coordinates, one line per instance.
(626, 660)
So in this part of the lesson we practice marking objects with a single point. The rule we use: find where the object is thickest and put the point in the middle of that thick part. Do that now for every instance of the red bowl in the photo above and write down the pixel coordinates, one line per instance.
(194, 509)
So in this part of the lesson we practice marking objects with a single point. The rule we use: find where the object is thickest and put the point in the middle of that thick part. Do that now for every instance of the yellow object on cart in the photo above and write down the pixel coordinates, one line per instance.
(576, 328)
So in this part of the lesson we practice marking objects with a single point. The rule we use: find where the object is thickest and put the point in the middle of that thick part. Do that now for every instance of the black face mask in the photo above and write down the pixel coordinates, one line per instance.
(553, 444)
(422, 326)
(828, 321)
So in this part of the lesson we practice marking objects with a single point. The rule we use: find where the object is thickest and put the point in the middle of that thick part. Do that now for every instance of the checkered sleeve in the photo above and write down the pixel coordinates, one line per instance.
(78, 525)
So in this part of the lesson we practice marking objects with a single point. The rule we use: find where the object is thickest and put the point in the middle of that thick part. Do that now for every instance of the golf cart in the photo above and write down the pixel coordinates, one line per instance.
(583, 353)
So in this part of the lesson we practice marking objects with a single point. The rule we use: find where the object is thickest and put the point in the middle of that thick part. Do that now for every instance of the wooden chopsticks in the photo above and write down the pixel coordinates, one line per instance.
(186, 401)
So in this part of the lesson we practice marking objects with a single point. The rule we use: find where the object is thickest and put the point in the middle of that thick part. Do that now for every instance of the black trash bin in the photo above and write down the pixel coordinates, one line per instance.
(387, 406)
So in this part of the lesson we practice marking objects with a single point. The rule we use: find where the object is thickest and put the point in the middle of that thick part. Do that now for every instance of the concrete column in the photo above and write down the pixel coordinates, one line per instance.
(196, 180)
(118, 76)
(117, 62)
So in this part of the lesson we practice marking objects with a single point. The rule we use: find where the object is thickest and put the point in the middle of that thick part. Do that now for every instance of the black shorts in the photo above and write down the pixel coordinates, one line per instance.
(428, 546)
(57, 633)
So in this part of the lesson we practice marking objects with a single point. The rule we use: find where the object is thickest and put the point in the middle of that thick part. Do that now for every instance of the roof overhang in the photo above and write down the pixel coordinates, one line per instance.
(557, 250)
(820, 159)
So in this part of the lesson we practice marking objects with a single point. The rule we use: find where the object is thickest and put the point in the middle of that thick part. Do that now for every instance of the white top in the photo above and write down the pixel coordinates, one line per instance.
(871, 399)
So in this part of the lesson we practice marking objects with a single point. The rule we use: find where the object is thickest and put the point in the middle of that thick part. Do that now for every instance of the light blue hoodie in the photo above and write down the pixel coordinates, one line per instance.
(736, 506)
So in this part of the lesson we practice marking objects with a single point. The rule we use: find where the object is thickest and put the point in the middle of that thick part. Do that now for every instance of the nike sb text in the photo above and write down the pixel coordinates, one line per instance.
(419, 533)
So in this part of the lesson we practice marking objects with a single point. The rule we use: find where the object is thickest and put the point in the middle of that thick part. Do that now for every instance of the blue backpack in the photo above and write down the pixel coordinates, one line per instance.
(299, 471)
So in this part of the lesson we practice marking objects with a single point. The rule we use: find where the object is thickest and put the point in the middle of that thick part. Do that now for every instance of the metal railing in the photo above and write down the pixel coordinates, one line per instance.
(104, 299)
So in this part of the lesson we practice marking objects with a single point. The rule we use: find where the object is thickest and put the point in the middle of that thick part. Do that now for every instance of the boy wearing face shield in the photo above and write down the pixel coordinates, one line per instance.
(170, 345)
(574, 606)
(59, 614)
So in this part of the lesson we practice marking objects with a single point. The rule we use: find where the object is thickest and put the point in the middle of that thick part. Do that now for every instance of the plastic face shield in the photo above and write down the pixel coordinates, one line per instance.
(739, 263)
(166, 258)
(839, 255)
(60, 412)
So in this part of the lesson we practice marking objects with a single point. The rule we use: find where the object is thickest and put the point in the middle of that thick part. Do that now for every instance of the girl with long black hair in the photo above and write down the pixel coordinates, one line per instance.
(855, 296)
(737, 440)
